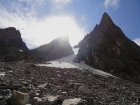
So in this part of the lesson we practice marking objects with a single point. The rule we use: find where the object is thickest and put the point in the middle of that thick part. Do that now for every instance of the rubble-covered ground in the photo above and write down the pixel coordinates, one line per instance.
(67, 83)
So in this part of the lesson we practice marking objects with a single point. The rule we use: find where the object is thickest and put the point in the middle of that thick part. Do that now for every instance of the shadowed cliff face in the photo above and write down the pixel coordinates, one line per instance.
(56, 49)
(11, 41)
(108, 49)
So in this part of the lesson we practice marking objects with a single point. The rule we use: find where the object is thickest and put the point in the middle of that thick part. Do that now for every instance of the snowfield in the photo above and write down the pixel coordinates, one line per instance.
(67, 62)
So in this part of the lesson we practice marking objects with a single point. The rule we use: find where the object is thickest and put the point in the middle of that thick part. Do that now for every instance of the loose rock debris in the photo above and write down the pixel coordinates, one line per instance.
(34, 85)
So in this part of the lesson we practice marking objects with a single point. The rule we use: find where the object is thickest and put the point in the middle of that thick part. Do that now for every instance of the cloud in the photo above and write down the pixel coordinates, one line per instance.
(59, 4)
(42, 32)
(63, 1)
(111, 3)
(137, 41)
(35, 30)
(21, 7)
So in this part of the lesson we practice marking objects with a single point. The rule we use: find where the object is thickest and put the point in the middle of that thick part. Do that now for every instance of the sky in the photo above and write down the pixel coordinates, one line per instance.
(41, 21)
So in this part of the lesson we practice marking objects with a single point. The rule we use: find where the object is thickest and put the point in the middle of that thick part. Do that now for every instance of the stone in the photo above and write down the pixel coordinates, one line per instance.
(85, 89)
(5, 93)
(74, 101)
(64, 92)
(51, 98)
(25, 83)
(36, 100)
(20, 98)
(107, 48)
(48, 100)
(73, 85)
(46, 85)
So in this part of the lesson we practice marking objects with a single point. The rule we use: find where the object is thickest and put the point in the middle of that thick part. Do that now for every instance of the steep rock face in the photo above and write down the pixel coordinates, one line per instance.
(11, 42)
(108, 49)
(58, 48)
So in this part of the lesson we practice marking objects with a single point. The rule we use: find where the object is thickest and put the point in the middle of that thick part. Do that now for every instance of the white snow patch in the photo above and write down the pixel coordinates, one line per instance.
(67, 62)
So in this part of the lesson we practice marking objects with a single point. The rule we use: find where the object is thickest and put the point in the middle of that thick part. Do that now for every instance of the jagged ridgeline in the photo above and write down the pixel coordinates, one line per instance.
(14, 49)
(108, 49)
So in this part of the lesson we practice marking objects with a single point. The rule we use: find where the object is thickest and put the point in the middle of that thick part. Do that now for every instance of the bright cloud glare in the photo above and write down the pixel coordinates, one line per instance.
(37, 32)
(41, 32)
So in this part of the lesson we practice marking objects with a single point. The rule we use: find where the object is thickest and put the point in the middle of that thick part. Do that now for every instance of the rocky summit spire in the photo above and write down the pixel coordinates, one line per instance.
(106, 20)
(107, 48)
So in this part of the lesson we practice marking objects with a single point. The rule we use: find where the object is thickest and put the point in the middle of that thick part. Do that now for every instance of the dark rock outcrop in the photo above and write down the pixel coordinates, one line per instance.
(108, 49)
(12, 48)
(11, 41)
(56, 49)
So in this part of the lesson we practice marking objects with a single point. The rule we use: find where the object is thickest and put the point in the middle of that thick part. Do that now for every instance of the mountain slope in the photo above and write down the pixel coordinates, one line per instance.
(108, 49)
(56, 49)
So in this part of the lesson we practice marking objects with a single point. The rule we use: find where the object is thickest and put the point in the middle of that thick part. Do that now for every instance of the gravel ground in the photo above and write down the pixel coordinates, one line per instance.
(70, 83)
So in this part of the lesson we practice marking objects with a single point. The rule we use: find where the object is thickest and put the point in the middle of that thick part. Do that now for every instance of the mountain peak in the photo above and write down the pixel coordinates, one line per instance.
(107, 48)
(106, 19)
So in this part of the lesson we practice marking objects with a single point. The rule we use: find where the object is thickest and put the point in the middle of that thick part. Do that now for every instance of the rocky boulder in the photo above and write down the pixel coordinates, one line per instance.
(108, 49)
(19, 98)
(56, 49)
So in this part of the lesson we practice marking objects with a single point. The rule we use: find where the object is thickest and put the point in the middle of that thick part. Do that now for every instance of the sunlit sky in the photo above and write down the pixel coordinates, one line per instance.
(41, 21)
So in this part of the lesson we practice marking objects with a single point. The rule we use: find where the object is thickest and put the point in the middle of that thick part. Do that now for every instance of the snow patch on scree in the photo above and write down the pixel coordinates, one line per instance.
(67, 62)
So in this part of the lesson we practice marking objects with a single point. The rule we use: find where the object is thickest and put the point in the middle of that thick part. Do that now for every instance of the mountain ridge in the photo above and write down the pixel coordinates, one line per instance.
(107, 48)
